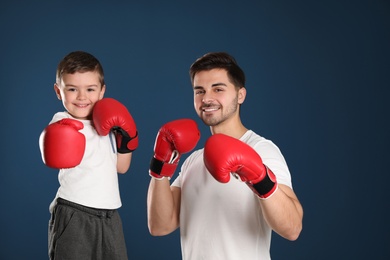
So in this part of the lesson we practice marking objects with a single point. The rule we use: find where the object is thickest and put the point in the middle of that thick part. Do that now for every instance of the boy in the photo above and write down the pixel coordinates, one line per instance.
(89, 143)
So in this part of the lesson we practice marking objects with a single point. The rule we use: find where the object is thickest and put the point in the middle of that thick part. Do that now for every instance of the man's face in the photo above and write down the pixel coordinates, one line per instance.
(216, 100)
(79, 92)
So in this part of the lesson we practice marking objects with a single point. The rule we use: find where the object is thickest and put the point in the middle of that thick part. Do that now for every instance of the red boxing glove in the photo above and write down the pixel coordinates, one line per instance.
(62, 145)
(173, 139)
(109, 114)
(224, 155)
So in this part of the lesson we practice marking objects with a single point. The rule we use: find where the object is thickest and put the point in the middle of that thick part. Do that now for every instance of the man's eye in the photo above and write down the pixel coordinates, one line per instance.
(198, 92)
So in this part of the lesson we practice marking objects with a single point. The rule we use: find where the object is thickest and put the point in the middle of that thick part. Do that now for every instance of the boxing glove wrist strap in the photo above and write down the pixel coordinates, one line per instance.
(266, 187)
(125, 143)
(159, 169)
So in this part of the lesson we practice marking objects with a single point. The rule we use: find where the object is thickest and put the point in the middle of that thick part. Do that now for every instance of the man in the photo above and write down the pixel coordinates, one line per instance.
(221, 217)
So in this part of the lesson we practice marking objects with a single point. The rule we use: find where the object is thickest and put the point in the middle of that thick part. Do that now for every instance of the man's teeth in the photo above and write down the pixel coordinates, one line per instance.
(210, 109)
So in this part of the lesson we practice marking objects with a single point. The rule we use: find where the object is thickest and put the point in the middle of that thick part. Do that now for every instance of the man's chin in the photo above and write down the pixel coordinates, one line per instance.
(209, 121)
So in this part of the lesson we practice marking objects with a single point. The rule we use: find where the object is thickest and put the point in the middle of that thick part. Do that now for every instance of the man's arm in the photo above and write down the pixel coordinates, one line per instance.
(173, 139)
(283, 212)
(163, 205)
(224, 155)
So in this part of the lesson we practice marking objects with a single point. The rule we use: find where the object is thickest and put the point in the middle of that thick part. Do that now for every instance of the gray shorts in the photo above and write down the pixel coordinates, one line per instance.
(79, 232)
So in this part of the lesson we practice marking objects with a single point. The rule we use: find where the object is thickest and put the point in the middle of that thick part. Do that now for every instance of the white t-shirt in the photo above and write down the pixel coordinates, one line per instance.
(94, 182)
(224, 221)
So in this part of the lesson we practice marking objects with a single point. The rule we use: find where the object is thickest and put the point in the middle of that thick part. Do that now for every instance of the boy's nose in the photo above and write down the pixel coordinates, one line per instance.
(81, 95)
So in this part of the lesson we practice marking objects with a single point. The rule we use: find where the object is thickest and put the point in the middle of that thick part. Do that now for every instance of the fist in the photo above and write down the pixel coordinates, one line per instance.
(62, 145)
(111, 115)
(173, 139)
(224, 155)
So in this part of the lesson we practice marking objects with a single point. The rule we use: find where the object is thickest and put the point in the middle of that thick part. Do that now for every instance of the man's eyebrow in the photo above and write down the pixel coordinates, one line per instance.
(219, 84)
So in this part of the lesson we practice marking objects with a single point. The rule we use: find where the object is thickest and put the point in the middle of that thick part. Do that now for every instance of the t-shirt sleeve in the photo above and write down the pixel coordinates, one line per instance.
(274, 160)
(188, 162)
(58, 116)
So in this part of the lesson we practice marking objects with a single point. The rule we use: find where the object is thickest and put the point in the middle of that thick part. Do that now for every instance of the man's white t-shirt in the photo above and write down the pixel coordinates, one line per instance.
(224, 220)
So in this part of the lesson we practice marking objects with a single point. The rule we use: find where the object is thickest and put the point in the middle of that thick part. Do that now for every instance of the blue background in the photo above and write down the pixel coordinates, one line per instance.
(318, 86)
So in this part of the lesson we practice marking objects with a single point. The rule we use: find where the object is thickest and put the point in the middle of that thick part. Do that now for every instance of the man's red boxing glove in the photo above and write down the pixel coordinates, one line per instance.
(173, 139)
(224, 155)
(62, 145)
(111, 115)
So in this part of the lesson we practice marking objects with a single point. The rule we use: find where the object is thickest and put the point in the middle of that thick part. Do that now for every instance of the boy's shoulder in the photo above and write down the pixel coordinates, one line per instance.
(60, 115)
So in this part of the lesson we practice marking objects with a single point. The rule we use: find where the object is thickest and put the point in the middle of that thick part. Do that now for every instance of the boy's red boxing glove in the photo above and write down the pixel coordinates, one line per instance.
(224, 155)
(109, 114)
(62, 145)
(173, 139)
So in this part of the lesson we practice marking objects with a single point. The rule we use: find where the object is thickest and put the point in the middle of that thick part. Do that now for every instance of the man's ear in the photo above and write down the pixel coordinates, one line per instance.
(57, 91)
(241, 95)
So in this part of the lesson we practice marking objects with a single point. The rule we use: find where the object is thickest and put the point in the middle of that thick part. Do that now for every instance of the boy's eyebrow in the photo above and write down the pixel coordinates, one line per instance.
(71, 85)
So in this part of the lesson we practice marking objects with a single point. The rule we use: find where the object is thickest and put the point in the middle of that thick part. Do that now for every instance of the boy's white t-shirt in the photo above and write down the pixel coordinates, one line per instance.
(94, 182)
(224, 220)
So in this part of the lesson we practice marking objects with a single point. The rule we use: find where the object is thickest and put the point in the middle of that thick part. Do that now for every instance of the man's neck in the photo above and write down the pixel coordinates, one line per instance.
(234, 130)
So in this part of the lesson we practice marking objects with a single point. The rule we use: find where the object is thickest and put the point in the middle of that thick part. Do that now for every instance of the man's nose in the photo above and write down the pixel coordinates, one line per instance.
(207, 98)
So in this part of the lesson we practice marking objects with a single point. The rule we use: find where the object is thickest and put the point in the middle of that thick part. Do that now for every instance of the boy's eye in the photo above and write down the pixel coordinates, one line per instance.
(91, 89)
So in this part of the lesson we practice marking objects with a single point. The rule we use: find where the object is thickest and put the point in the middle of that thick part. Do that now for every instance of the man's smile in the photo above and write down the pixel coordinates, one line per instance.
(210, 108)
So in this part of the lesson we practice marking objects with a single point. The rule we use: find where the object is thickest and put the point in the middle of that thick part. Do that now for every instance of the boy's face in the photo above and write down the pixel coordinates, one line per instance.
(79, 92)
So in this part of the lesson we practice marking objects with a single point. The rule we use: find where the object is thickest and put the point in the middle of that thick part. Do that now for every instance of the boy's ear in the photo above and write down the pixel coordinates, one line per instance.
(102, 92)
(57, 91)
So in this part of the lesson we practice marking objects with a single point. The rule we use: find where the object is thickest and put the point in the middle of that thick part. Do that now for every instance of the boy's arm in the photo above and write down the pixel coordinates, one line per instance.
(110, 115)
(123, 162)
